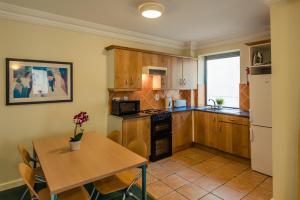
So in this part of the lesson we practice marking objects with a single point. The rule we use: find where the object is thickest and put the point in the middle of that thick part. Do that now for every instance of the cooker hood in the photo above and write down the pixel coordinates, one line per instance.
(152, 70)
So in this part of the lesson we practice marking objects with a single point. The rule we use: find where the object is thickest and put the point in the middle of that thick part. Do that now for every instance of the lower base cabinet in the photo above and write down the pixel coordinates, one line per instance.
(223, 132)
(182, 130)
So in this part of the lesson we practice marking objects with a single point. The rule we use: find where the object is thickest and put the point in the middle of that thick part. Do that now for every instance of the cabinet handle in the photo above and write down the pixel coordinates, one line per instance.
(180, 81)
(126, 82)
(184, 81)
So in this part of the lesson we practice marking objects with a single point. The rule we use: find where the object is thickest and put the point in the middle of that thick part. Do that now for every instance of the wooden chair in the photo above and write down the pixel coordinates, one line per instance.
(38, 172)
(27, 175)
(123, 180)
(115, 136)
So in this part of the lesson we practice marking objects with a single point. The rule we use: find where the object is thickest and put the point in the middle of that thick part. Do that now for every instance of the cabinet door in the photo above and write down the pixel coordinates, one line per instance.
(205, 128)
(190, 73)
(134, 129)
(182, 130)
(135, 76)
(224, 137)
(122, 68)
(176, 73)
(149, 59)
(128, 69)
(241, 140)
(165, 61)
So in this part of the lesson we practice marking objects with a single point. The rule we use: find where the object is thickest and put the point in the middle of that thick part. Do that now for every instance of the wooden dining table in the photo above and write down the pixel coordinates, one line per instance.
(98, 158)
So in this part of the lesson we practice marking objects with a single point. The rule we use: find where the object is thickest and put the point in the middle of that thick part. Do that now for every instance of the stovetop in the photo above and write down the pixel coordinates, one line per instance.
(154, 111)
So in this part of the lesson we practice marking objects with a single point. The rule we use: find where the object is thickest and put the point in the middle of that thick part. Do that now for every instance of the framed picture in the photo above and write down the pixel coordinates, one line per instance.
(38, 81)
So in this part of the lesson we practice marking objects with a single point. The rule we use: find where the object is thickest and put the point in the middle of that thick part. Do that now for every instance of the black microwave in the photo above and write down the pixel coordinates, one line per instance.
(125, 107)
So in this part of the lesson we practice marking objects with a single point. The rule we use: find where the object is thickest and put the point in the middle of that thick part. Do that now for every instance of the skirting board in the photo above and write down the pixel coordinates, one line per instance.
(11, 184)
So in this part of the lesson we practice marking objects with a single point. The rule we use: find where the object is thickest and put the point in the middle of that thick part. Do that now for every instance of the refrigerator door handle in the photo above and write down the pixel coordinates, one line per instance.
(252, 137)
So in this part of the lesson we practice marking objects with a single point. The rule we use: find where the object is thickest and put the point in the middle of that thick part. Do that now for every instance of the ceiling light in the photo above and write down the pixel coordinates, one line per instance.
(151, 10)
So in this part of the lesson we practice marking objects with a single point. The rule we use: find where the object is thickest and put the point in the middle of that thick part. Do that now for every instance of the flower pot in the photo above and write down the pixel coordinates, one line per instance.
(220, 107)
(74, 146)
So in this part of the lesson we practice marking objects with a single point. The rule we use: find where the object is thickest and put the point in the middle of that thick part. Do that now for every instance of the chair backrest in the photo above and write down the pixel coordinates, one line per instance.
(115, 136)
(139, 147)
(27, 176)
(24, 155)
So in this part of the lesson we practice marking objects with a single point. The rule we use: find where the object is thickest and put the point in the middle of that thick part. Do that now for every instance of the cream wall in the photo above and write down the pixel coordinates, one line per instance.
(235, 46)
(285, 36)
(21, 124)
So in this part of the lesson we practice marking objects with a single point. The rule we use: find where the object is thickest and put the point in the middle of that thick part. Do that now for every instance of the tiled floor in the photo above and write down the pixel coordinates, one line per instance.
(197, 174)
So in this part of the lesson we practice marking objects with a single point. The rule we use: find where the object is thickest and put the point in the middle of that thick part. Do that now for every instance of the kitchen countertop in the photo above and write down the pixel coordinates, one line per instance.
(225, 111)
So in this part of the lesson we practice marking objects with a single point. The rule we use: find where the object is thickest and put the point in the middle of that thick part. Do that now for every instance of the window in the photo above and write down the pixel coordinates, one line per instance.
(222, 74)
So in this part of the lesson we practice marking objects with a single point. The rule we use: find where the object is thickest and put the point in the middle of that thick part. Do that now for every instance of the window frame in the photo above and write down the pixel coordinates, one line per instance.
(214, 57)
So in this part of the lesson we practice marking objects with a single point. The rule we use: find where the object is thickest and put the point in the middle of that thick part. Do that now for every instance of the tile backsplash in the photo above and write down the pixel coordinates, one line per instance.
(147, 95)
(244, 97)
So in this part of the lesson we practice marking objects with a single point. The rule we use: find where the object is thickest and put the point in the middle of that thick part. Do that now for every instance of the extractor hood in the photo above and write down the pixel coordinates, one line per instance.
(152, 70)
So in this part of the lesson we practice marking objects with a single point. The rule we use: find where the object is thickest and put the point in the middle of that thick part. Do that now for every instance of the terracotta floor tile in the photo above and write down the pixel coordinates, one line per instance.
(186, 161)
(161, 173)
(149, 179)
(262, 192)
(228, 193)
(158, 189)
(247, 181)
(210, 197)
(209, 183)
(210, 165)
(191, 191)
(189, 174)
(174, 181)
(173, 166)
(173, 196)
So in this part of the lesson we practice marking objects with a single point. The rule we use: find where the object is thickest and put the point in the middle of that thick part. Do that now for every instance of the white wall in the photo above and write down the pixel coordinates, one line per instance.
(285, 36)
(21, 124)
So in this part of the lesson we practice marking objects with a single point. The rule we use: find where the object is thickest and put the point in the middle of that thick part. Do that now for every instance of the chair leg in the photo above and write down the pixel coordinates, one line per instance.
(124, 196)
(24, 194)
(97, 196)
(133, 196)
(92, 194)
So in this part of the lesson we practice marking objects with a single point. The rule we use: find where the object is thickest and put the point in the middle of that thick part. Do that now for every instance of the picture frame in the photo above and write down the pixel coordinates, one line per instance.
(38, 81)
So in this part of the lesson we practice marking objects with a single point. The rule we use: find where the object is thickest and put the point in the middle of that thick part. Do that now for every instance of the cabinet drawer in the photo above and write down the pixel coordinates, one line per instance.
(233, 119)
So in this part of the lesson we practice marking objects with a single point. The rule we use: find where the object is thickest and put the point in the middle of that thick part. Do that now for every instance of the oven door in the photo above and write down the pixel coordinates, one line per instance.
(161, 127)
(161, 147)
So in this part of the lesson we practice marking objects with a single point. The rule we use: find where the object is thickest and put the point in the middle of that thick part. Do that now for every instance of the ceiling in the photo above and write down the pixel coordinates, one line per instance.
(199, 21)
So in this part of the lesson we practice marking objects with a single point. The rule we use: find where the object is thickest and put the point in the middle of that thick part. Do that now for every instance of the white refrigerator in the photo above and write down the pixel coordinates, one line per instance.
(261, 120)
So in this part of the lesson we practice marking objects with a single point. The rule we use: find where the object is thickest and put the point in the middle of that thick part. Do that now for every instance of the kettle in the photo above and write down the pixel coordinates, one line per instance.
(169, 102)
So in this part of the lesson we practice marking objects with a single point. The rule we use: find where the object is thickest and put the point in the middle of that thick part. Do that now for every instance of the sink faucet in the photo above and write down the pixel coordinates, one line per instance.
(214, 106)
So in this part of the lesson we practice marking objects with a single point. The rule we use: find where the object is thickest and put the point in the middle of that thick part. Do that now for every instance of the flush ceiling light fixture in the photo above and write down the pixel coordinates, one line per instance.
(151, 10)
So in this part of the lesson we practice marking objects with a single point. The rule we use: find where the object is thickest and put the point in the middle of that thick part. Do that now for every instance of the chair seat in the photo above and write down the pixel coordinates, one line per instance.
(110, 184)
(79, 193)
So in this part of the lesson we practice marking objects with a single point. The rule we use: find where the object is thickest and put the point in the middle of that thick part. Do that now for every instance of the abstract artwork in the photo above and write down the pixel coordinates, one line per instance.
(37, 81)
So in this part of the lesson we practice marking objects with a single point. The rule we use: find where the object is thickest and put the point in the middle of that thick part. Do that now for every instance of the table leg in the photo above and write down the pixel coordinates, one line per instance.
(144, 192)
(35, 158)
(53, 197)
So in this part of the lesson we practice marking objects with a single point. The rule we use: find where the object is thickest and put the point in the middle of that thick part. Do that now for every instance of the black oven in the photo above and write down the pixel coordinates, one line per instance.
(161, 136)
(125, 107)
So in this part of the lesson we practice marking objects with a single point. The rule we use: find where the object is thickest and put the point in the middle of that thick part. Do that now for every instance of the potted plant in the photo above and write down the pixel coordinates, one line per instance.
(220, 102)
(79, 120)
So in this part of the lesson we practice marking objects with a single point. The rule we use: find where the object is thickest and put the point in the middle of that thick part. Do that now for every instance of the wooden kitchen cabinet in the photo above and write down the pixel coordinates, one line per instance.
(205, 131)
(125, 69)
(234, 135)
(182, 130)
(138, 128)
(224, 132)
(184, 73)
(189, 73)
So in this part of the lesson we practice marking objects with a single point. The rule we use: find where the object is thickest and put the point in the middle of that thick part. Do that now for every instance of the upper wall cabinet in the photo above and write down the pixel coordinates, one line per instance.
(184, 73)
(125, 70)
